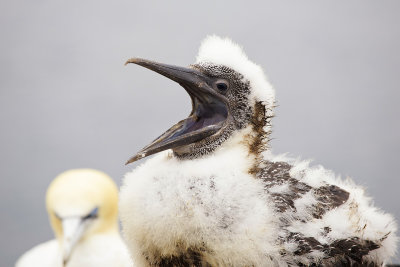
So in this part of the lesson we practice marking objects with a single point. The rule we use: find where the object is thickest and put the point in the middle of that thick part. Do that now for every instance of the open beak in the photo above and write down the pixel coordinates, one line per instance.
(209, 109)
(73, 230)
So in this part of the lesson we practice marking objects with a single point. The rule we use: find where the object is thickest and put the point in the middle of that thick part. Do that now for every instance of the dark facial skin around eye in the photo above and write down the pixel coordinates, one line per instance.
(92, 215)
(222, 86)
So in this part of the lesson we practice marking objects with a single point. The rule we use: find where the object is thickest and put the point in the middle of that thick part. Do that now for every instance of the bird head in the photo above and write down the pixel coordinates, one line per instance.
(81, 203)
(228, 92)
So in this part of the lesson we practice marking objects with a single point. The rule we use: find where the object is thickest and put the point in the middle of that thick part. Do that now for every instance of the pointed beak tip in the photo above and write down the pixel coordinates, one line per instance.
(132, 159)
(136, 158)
(134, 60)
(65, 258)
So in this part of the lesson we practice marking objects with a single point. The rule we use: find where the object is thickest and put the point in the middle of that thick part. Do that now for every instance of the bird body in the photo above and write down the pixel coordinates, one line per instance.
(82, 207)
(102, 250)
(209, 206)
(218, 196)
(46, 254)
(213, 210)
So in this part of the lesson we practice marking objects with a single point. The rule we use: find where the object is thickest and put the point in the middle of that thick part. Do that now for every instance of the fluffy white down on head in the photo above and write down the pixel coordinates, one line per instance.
(223, 51)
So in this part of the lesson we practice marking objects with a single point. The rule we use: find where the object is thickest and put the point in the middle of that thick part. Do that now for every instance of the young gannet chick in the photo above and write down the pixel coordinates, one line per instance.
(82, 207)
(218, 197)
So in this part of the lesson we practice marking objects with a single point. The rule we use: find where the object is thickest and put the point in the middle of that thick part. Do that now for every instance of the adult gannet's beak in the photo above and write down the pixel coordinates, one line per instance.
(73, 230)
(209, 109)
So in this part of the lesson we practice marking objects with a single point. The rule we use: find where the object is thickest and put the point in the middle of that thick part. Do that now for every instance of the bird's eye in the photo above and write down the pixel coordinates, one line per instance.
(57, 216)
(92, 214)
(222, 86)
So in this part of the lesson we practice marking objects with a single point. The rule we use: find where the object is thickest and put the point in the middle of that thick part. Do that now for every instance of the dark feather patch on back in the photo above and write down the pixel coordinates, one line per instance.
(277, 173)
(327, 197)
(353, 248)
(342, 252)
(305, 244)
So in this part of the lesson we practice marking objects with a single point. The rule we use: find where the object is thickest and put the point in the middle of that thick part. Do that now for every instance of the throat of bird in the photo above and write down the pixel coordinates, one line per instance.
(251, 141)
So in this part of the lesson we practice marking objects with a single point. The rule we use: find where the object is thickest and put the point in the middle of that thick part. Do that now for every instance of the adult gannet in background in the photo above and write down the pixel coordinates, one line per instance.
(218, 197)
(82, 207)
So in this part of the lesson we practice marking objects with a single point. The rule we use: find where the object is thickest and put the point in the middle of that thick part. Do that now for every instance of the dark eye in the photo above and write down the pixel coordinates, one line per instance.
(57, 216)
(222, 86)
(92, 214)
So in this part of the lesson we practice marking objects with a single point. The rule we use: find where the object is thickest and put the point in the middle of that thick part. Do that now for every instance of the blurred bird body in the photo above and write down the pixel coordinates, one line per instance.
(219, 197)
(82, 207)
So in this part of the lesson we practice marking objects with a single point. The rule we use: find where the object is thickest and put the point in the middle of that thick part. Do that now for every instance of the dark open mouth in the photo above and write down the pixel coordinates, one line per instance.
(209, 109)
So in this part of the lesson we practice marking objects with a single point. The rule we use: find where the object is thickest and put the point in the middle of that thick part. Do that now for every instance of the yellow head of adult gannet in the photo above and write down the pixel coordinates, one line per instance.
(80, 203)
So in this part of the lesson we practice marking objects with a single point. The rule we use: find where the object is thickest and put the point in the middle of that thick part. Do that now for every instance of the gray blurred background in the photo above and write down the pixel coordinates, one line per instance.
(67, 101)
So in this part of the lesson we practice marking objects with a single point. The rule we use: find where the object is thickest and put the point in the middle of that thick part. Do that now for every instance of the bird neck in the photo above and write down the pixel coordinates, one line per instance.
(253, 139)
(259, 136)
(254, 136)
